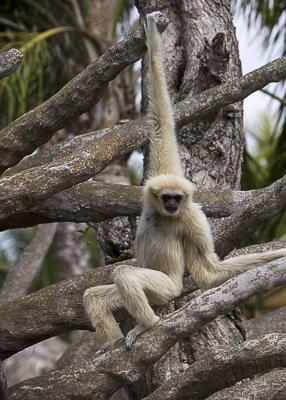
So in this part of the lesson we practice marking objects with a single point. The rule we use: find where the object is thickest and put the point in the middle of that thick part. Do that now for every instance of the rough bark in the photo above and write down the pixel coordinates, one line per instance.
(76, 97)
(271, 386)
(102, 376)
(21, 275)
(224, 368)
(10, 61)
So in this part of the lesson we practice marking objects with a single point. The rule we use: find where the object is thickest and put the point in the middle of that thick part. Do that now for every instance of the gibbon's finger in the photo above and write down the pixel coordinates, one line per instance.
(104, 349)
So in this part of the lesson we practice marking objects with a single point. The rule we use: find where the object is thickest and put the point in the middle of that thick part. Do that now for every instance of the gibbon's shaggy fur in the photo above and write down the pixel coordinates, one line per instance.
(173, 232)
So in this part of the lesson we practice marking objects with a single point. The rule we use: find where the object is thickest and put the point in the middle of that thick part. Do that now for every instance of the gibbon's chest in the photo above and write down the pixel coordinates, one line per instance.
(159, 245)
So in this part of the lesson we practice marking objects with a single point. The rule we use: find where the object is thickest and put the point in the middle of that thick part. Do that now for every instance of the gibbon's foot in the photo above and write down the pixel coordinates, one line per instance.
(135, 332)
(132, 336)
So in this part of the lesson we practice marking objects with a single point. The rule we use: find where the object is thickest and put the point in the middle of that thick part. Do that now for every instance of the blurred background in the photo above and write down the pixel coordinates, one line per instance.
(59, 39)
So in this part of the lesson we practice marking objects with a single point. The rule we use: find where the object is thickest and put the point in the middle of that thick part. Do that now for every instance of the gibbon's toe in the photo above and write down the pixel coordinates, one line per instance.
(104, 349)
(130, 339)
(132, 336)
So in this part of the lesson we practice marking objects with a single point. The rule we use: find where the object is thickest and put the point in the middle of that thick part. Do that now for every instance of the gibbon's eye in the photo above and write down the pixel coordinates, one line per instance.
(178, 198)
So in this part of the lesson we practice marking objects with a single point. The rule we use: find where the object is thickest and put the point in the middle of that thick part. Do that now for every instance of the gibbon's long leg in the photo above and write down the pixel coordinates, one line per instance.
(99, 303)
(132, 286)
(140, 286)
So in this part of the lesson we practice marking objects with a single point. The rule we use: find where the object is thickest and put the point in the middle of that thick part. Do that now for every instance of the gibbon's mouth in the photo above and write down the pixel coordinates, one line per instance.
(171, 212)
(171, 209)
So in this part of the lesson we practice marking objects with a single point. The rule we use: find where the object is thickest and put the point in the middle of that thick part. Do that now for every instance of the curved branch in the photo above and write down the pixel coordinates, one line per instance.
(10, 61)
(101, 376)
(220, 369)
(21, 275)
(271, 386)
(34, 128)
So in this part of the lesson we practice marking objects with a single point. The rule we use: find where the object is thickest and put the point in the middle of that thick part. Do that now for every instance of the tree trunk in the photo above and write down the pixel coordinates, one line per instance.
(201, 51)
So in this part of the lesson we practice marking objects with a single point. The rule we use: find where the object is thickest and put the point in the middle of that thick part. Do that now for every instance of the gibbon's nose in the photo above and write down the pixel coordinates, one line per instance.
(171, 206)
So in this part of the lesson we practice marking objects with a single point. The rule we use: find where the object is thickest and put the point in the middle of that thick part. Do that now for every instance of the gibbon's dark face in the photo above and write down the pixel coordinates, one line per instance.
(171, 202)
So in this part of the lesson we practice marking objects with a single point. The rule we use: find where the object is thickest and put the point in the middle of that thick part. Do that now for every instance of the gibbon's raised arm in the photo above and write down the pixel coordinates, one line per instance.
(164, 152)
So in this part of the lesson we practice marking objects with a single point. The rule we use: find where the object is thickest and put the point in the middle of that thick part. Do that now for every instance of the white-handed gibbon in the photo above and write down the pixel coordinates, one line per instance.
(173, 232)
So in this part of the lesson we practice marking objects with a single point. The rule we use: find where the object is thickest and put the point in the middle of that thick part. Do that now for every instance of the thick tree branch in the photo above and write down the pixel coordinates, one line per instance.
(271, 386)
(20, 277)
(34, 128)
(85, 162)
(103, 375)
(10, 60)
(224, 368)
(95, 202)
(58, 308)
(229, 232)
(274, 321)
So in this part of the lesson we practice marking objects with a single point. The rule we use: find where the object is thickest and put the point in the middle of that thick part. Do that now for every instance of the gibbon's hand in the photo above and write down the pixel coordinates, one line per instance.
(156, 16)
